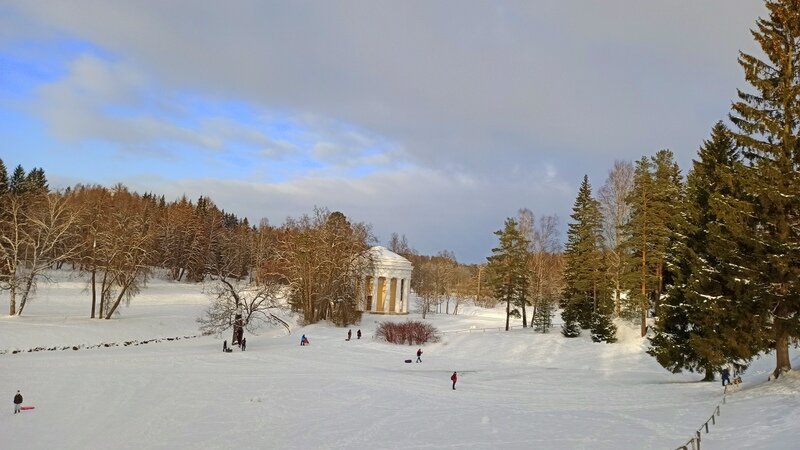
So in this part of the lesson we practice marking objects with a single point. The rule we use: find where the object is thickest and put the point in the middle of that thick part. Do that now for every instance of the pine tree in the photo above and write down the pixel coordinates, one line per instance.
(603, 328)
(36, 180)
(507, 267)
(17, 183)
(638, 243)
(542, 319)
(586, 291)
(656, 192)
(570, 327)
(667, 199)
(694, 331)
(768, 122)
(3, 178)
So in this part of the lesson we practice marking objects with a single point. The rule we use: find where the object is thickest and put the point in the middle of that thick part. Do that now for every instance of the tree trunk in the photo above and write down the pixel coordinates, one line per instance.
(644, 293)
(781, 351)
(119, 298)
(12, 300)
(103, 295)
(508, 312)
(94, 291)
(709, 376)
(659, 283)
(24, 300)
(524, 316)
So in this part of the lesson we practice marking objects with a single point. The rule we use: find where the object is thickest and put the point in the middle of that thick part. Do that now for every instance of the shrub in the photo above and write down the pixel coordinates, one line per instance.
(409, 332)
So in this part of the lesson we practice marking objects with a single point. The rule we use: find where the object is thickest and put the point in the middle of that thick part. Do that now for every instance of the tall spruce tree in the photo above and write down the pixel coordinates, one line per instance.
(17, 183)
(768, 122)
(639, 243)
(667, 200)
(36, 180)
(697, 327)
(654, 199)
(507, 267)
(586, 297)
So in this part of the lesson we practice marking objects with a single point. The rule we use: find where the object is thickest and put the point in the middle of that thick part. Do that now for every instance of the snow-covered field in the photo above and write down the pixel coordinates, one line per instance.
(516, 390)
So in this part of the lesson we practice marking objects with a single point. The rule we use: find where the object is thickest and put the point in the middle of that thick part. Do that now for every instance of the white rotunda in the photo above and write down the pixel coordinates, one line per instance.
(386, 284)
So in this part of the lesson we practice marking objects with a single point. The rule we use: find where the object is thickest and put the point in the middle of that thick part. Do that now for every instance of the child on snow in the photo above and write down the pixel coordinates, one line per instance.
(17, 402)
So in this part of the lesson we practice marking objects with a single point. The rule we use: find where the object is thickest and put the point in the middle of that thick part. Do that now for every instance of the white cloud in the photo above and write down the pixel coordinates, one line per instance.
(469, 110)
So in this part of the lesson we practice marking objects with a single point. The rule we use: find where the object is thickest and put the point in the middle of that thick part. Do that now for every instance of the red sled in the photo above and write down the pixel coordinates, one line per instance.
(26, 408)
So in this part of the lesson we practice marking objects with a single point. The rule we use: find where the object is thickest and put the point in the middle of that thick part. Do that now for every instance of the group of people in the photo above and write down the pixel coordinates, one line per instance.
(350, 334)
(453, 377)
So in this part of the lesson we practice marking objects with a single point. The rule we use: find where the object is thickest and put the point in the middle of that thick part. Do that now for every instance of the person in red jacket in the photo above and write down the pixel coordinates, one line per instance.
(454, 378)
(17, 402)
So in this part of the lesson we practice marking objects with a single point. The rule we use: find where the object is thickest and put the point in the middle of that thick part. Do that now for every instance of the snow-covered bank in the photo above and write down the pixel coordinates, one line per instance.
(516, 390)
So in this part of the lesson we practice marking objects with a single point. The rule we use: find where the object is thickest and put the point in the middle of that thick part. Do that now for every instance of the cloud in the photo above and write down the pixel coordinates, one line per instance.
(612, 80)
(492, 105)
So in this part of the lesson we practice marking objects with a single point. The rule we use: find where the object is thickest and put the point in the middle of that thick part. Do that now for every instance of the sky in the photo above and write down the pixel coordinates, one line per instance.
(434, 120)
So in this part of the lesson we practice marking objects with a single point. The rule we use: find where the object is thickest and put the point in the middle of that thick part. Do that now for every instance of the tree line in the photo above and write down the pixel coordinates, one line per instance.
(713, 259)
(118, 237)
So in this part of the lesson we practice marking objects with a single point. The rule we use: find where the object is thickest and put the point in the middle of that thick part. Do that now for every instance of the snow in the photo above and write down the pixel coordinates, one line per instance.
(516, 389)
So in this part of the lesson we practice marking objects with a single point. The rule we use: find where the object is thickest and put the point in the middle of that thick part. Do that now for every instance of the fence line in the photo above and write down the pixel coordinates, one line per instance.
(482, 330)
(132, 342)
(694, 442)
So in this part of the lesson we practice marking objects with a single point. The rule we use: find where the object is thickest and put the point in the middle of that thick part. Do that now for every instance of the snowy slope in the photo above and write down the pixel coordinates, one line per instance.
(516, 390)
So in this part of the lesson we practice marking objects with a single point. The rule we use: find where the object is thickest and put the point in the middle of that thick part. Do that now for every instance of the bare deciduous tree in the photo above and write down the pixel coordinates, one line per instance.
(616, 210)
(545, 271)
(256, 303)
(34, 225)
(323, 259)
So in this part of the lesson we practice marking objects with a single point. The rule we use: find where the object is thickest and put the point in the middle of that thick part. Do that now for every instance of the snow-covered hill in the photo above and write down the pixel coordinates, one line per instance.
(516, 389)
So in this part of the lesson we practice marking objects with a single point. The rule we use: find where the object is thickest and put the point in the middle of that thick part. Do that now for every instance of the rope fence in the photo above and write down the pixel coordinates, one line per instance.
(694, 442)
(481, 330)
(133, 342)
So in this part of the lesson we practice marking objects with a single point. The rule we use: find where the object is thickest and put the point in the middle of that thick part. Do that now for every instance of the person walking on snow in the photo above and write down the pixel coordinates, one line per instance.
(454, 378)
(303, 340)
(419, 355)
(358, 334)
(349, 334)
(244, 344)
(726, 376)
(17, 402)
